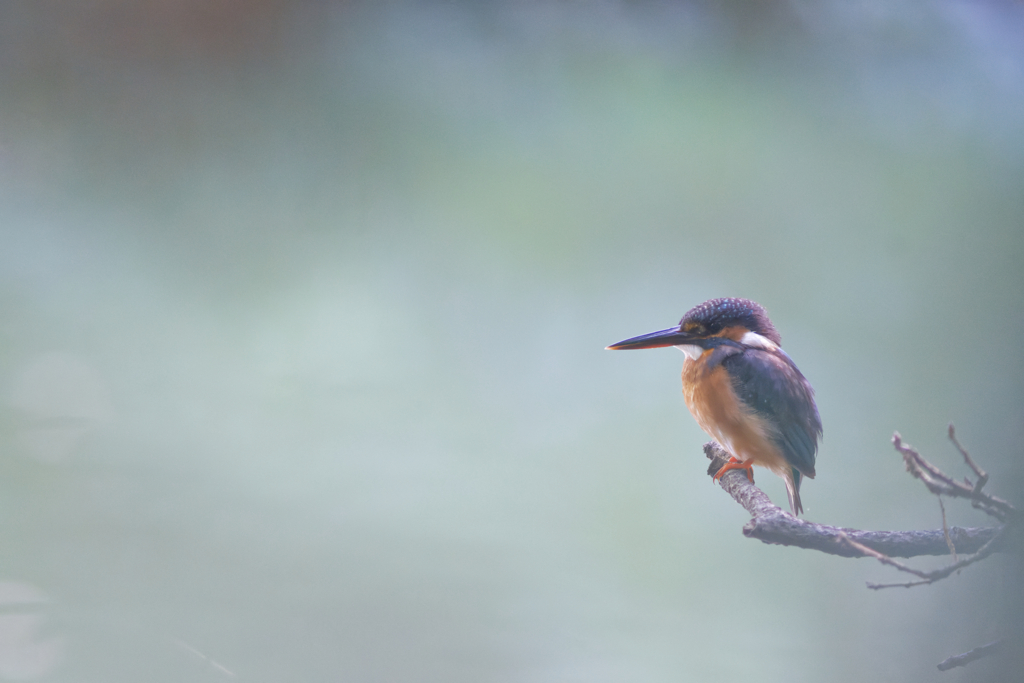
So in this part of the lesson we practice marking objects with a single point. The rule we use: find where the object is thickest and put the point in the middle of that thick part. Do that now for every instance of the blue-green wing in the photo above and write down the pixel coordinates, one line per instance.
(769, 383)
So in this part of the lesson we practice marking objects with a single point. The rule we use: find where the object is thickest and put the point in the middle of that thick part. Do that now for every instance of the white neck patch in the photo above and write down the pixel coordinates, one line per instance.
(758, 341)
(692, 351)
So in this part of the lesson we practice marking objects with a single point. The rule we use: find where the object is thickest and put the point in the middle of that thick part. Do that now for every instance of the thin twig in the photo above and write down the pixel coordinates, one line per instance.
(908, 584)
(939, 483)
(884, 559)
(927, 577)
(980, 473)
(968, 657)
(945, 530)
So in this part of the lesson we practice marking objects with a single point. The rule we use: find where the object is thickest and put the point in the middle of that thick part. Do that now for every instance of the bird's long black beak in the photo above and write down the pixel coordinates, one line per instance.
(670, 337)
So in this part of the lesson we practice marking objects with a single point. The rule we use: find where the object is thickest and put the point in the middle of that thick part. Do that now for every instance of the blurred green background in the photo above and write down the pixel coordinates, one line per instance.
(304, 307)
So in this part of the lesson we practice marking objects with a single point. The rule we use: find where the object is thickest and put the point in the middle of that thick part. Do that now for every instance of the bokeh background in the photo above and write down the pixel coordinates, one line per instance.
(303, 315)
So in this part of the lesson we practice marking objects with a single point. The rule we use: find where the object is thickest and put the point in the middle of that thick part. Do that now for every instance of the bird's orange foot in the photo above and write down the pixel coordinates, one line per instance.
(735, 464)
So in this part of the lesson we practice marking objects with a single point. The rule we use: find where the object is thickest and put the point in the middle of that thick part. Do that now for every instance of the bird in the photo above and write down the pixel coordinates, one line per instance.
(744, 390)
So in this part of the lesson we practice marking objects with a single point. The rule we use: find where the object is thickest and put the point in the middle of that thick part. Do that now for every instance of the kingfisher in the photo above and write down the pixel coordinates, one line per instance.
(744, 390)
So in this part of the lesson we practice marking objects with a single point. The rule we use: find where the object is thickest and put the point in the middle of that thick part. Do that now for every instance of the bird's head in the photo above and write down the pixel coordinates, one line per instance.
(710, 324)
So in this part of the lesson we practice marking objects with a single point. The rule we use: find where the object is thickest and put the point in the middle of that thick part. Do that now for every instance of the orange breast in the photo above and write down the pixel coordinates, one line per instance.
(713, 402)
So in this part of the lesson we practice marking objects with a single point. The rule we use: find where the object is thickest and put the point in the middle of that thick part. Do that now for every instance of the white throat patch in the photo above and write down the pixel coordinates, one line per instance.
(692, 351)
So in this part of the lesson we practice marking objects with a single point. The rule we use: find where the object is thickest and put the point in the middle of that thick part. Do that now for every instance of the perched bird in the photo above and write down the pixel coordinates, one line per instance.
(744, 390)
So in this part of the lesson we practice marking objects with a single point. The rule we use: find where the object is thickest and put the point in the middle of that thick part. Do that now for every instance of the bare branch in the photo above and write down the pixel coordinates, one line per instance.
(770, 524)
(968, 657)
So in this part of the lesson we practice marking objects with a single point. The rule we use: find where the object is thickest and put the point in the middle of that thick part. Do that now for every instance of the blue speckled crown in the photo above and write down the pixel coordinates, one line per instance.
(716, 314)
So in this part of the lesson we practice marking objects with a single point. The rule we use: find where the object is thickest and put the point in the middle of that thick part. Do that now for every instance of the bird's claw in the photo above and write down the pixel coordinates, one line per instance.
(736, 464)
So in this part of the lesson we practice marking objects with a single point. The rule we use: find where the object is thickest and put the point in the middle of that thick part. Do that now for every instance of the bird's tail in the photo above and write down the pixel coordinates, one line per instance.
(793, 489)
